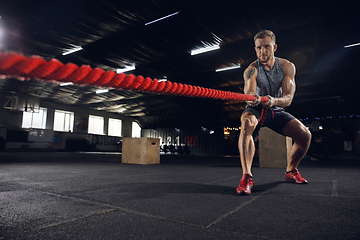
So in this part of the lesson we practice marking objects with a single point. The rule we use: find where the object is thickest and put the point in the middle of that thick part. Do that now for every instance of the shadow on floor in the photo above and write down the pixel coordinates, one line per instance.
(266, 186)
(158, 190)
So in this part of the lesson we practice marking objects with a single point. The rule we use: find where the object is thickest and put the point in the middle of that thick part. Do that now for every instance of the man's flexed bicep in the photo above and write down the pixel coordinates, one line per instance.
(250, 84)
(250, 79)
(288, 87)
(288, 84)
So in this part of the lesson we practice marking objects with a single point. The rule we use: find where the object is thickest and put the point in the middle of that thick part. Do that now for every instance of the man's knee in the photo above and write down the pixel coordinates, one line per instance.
(248, 121)
(307, 136)
(298, 132)
(303, 137)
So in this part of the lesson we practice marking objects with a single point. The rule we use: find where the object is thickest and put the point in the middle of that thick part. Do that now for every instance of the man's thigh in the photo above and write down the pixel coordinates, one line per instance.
(294, 129)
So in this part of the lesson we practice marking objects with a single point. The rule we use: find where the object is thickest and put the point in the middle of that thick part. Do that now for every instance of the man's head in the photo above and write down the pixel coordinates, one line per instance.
(265, 45)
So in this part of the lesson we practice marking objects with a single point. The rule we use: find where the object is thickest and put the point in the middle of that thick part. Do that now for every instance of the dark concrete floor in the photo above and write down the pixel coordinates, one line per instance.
(94, 196)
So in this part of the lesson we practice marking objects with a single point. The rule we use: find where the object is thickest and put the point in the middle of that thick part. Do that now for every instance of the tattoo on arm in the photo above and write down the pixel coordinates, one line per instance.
(248, 73)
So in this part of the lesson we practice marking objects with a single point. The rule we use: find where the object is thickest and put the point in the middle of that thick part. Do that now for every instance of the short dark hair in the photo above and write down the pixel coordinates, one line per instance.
(264, 34)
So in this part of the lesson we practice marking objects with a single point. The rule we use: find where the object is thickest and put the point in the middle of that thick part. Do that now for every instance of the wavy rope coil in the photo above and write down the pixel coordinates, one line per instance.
(16, 65)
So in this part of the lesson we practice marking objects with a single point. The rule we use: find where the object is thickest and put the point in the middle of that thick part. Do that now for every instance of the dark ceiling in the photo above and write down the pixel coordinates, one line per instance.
(113, 35)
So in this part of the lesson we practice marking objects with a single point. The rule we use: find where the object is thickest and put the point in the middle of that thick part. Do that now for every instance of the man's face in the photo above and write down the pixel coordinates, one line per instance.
(265, 49)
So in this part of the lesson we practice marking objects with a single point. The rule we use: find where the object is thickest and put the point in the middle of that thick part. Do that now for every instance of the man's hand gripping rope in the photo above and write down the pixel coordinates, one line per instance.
(255, 100)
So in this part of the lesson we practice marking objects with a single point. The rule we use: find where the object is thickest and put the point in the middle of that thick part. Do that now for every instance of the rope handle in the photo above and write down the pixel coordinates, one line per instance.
(264, 110)
(263, 116)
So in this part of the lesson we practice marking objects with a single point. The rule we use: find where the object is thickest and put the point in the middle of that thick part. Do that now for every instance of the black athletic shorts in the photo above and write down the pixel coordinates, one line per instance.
(276, 119)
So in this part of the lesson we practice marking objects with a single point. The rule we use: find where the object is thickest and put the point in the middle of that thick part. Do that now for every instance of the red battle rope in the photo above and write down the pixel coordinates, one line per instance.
(17, 65)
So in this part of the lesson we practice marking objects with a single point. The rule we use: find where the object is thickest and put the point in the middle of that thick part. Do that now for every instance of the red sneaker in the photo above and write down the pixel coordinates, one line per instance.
(246, 183)
(295, 177)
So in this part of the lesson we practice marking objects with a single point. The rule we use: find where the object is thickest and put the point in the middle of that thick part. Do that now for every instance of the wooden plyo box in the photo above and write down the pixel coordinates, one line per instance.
(141, 151)
(274, 149)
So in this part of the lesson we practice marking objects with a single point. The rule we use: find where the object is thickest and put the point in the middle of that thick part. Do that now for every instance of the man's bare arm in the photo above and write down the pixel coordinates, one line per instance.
(288, 88)
(250, 84)
(250, 79)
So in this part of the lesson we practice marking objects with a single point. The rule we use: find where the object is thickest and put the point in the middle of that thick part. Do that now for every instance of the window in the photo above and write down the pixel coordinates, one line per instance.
(114, 127)
(34, 120)
(136, 130)
(96, 125)
(63, 121)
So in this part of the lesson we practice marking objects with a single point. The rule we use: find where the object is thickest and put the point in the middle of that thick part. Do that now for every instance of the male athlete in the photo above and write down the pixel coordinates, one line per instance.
(273, 78)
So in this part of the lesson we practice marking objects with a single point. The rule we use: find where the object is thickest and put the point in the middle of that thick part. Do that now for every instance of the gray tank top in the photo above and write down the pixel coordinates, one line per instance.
(269, 82)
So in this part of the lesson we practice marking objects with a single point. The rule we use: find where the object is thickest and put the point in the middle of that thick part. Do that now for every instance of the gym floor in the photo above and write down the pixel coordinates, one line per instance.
(94, 196)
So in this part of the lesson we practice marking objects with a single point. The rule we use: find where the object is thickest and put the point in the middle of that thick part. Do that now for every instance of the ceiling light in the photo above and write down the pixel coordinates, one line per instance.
(126, 69)
(216, 38)
(102, 91)
(163, 79)
(352, 45)
(205, 49)
(161, 18)
(72, 50)
(227, 68)
(66, 84)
